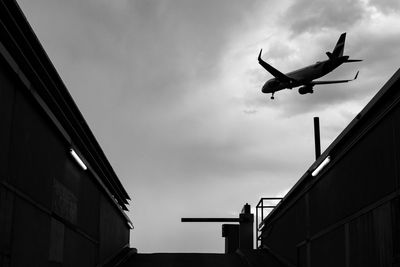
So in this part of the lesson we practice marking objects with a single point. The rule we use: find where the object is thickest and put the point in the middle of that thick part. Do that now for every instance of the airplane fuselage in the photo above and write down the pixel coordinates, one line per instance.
(304, 75)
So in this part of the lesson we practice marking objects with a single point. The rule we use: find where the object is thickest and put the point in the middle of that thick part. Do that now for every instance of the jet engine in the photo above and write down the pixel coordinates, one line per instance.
(307, 89)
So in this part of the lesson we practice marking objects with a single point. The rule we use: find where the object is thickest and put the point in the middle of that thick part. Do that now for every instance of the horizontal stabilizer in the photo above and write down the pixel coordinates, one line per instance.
(276, 73)
(353, 60)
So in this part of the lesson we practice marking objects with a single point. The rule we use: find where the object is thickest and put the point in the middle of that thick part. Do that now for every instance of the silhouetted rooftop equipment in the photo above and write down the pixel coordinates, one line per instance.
(243, 234)
(231, 232)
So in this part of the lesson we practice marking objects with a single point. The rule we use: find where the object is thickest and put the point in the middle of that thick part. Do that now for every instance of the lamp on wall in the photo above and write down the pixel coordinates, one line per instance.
(77, 159)
(321, 166)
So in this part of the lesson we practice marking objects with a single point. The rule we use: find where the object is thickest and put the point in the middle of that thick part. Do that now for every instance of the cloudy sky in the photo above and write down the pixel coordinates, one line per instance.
(171, 90)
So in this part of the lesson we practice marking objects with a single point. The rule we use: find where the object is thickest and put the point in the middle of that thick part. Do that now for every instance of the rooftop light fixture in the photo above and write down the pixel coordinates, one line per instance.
(321, 166)
(77, 159)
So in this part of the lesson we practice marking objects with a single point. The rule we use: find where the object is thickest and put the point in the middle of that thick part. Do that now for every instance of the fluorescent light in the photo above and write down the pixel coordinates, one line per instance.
(78, 159)
(321, 166)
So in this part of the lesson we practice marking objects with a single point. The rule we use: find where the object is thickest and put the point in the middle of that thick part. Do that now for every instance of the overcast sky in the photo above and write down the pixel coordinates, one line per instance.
(172, 91)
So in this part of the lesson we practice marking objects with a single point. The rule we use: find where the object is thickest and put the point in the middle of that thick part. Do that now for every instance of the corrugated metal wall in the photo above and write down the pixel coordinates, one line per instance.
(349, 216)
(52, 213)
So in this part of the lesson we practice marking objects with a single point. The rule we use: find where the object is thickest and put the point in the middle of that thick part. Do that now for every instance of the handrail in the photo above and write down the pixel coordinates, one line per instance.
(260, 206)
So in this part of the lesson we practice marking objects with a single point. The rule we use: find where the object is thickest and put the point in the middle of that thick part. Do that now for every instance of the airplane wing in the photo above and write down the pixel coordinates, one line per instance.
(277, 74)
(330, 82)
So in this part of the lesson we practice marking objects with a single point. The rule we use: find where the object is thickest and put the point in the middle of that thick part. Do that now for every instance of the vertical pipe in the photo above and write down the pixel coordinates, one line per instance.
(262, 210)
(256, 230)
(262, 216)
(317, 138)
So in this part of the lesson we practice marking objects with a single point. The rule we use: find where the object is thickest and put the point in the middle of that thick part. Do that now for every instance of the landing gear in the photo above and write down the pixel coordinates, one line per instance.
(272, 97)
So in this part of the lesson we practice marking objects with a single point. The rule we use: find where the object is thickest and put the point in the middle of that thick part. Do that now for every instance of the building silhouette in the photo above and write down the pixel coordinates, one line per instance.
(348, 214)
(61, 203)
(53, 211)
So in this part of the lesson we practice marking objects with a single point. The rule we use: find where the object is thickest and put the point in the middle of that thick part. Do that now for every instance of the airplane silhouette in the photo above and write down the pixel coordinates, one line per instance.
(305, 76)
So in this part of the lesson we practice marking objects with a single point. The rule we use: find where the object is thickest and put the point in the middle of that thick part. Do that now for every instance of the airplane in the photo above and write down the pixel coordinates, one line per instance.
(304, 77)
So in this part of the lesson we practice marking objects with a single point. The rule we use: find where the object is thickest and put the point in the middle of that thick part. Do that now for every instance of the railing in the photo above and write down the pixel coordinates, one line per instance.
(260, 215)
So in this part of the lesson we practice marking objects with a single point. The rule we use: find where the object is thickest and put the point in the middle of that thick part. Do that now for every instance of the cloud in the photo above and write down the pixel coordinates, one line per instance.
(250, 111)
(312, 16)
(385, 6)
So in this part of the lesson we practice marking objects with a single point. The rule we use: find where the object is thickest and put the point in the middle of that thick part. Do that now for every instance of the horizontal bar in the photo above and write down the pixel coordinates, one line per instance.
(268, 198)
(210, 220)
(266, 207)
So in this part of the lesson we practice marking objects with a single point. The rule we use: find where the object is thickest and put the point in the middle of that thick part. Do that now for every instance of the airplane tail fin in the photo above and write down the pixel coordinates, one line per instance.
(339, 47)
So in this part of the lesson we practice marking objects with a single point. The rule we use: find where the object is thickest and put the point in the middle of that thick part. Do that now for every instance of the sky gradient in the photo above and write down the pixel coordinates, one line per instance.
(172, 92)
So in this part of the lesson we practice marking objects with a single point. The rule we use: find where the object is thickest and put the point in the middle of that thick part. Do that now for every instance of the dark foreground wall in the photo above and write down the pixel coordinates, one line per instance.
(349, 214)
(52, 212)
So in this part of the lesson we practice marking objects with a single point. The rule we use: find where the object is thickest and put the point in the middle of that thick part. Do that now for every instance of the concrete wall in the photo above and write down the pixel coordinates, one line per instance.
(52, 213)
(349, 214)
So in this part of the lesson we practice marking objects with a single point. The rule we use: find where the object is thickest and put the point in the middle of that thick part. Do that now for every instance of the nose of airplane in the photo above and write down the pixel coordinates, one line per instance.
(265, 88)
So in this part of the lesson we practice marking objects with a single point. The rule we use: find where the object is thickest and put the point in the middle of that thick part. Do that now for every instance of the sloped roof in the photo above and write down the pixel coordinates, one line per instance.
(384, 100)
(22, 49)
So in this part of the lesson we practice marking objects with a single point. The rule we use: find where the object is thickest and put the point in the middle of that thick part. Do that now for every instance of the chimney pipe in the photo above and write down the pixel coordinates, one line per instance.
(317, 138)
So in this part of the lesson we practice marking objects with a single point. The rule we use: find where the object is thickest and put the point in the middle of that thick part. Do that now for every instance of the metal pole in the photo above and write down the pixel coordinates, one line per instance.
(257, 207)
(210, 219)
(317, 138)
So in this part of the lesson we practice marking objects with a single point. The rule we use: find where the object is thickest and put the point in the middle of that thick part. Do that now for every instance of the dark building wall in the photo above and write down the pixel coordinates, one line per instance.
(349, 214)
(52, 212)
(113, 237)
